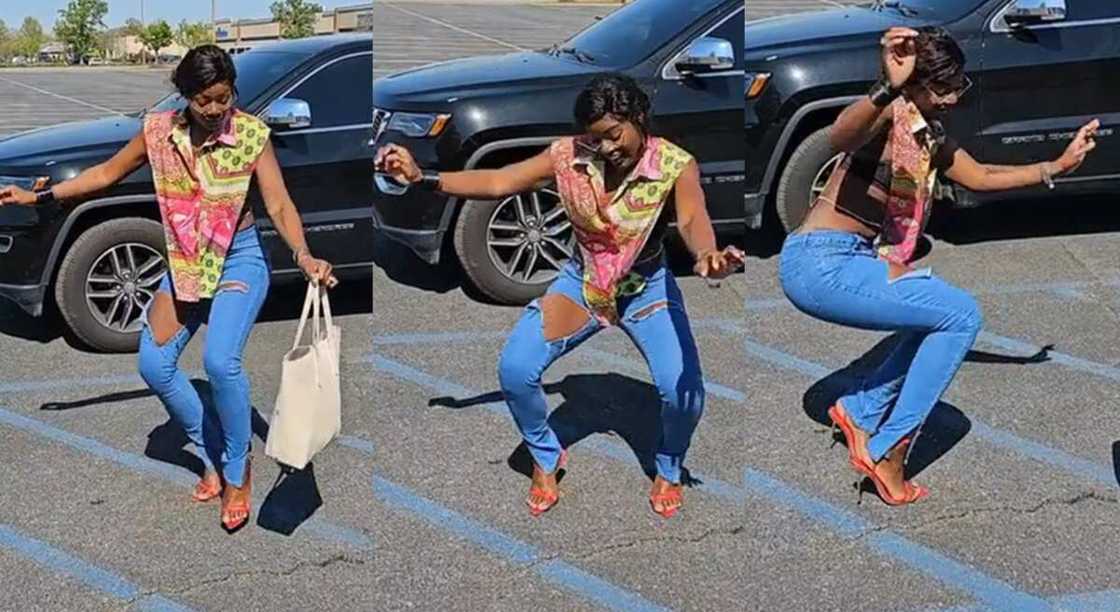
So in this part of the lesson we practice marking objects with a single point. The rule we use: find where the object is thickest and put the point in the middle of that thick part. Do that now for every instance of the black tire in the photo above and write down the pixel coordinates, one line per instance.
(471, 242)
(795, 188)
(73, 286)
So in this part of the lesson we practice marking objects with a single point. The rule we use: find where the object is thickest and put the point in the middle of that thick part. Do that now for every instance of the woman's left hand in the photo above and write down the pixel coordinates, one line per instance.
(318, 270)
(716, 265)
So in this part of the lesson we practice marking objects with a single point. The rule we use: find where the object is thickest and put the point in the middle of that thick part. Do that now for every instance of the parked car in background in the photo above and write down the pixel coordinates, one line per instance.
(489, 111)
(1041, 69)
(101, 259)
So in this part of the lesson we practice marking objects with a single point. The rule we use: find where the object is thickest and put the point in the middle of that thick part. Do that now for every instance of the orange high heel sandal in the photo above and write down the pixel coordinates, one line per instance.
(206, 491)
(914, 492)
(550, 497)
(236, 515)
(674, 496)
(841, 421)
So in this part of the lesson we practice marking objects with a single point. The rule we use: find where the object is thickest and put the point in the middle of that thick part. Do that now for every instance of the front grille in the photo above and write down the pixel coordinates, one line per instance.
(380, 122)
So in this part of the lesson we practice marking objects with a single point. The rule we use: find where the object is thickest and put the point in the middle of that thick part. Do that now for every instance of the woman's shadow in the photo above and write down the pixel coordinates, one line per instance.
(610, 404)
(291, 501)
(944, 428)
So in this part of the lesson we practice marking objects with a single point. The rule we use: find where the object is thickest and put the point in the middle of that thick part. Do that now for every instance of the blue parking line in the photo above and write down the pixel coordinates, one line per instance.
(143, 465)
(944, 569)
(91, 575)
(1076, 363)
(1062, 289)
(1001, 438)
(554, 570)
(995, 593)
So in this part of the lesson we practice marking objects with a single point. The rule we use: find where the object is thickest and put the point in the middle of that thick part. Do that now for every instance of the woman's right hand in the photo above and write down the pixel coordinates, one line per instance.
(397, 162)
(10, 194)
(899, 55)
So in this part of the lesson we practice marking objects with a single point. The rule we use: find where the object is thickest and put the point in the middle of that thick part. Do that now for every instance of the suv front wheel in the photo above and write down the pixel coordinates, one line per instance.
(804, 178)
(108, 277)
(511, 249)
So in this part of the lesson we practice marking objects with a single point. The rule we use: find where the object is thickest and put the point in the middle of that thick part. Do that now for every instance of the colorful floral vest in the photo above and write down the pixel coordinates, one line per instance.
(201, 199)
(612, 232)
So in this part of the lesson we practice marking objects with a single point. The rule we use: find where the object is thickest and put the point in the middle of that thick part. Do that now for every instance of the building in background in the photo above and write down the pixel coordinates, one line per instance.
(240, 35)
(123, 47)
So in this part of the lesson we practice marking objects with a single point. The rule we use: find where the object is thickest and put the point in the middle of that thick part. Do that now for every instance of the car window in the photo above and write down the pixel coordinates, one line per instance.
(339, 94)
(256, 72)
(1087, 10)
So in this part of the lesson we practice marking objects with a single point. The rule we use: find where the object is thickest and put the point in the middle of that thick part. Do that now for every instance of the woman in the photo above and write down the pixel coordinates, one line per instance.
(202, 160)
(849, 263)
(614, 182)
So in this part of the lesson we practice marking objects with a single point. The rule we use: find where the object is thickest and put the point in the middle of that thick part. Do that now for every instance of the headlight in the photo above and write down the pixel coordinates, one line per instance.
(756, 83)
(30, 183)
(418, 125)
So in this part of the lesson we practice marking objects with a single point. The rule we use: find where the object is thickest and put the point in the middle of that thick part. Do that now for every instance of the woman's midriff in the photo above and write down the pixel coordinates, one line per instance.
(824, 216)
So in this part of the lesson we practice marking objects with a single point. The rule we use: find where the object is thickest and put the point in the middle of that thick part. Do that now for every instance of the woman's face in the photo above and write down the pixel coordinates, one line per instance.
(618, 141)
(210, 106)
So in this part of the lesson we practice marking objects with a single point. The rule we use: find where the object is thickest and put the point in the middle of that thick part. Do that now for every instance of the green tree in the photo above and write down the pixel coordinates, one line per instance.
(78, 25)
(157, 36)
(5, 42)
(29, 39)
(133, 27)
(191, 35)
(296, 17)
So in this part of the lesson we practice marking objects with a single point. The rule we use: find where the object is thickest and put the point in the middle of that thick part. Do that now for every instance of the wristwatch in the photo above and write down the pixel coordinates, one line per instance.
(882, 93)
(42, 196)
(429, 179)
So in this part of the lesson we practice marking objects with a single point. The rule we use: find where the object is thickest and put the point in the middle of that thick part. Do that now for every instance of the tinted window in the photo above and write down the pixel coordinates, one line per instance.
(256, 72)
(339, 93)
(1084, 10)
(632, 33)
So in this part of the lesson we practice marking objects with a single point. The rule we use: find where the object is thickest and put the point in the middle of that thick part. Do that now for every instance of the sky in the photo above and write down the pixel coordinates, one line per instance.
(46, 11)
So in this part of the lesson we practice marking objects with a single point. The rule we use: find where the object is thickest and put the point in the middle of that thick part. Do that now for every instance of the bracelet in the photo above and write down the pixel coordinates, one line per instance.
(298, 254)
(882, 93)
(1047, 175)
(43, 196)
(429, 179)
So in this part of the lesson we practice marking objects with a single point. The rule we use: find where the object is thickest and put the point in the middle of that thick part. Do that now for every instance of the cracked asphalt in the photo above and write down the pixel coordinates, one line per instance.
(419, 504)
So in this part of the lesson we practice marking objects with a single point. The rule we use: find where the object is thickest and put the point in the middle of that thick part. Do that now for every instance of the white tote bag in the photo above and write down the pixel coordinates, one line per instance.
(308, 411)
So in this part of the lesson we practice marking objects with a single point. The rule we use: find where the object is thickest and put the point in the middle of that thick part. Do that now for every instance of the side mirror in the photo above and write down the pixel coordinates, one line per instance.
(1022, 13)
(705, 55)
(288, 113)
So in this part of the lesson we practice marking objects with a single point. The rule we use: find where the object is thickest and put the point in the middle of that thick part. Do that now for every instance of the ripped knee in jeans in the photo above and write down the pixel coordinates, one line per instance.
(232, 285)
(164, 317)
(561, 317)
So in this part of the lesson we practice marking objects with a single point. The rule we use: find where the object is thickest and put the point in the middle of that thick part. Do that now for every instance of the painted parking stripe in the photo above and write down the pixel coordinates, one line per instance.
(520, 553)
(1075, 363)
(1083, 468)
(61, 562)
(143, 465)
(952, 573)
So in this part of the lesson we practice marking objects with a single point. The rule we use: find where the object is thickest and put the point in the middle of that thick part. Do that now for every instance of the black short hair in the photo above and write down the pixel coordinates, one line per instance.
(201, 68)
(940, 59)
(613, 94)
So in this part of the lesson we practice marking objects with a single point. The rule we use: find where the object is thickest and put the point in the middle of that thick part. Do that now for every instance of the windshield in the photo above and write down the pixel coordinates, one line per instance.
(941, 10)
(630, 34)
(256, 71)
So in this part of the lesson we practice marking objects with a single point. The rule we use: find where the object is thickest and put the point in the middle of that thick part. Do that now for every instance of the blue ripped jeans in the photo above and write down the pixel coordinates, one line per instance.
(837, 277)
(656, 322)
(222, 438)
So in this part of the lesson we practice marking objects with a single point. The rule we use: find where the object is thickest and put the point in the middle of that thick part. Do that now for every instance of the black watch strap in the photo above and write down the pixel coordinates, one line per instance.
(429, 179)
(43, 196)
(882, 93)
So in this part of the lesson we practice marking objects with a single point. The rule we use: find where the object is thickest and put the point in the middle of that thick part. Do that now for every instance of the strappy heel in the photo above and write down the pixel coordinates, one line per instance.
(674, 496)
(842, 422)
(913, 492)
(550, 497)
(236, 515)
(205, 491)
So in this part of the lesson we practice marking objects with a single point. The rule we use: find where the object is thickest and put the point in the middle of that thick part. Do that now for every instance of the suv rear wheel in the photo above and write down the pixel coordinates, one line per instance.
(108, 277)
(511, 249)
(804, 178)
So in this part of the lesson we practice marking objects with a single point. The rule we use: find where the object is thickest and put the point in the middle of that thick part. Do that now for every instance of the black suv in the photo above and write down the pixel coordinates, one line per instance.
(489, 111)
(1041, 69)
(103, 257)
